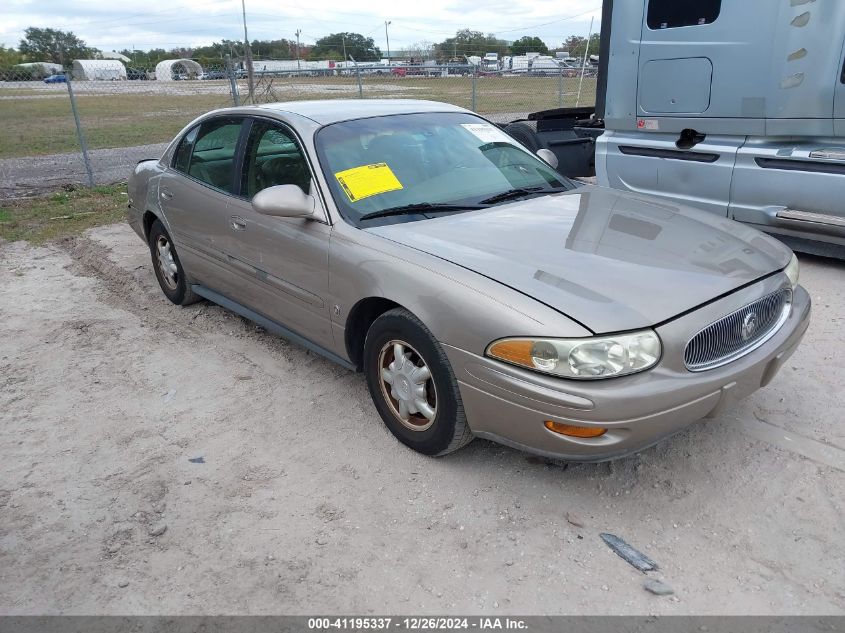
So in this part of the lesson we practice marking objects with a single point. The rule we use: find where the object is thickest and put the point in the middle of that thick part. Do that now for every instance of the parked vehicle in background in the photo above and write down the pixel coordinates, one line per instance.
(56, 79)
(696, 107)
(136, 74)
(545, 65)
(213, 74)
(490, 62)
(480, 292)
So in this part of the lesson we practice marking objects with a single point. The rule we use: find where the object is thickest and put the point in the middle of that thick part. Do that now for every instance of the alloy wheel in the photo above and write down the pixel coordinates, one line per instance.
(407, 386)
(166, 262)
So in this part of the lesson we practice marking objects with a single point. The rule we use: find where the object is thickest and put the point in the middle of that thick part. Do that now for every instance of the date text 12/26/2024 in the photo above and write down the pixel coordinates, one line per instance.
(416, 624)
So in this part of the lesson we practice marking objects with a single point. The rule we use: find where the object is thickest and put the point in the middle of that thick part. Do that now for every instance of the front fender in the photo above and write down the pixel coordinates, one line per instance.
(460, 307)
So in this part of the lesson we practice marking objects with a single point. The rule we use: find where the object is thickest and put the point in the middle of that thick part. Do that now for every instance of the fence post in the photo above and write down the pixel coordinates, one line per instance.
(474, 87)
(79, 133)
(560, 87)
(358, 74)
(236, 97)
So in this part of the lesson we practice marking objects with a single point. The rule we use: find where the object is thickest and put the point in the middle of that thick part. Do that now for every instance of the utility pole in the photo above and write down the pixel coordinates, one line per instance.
(248, 58)
(298, 65)
(386, 23)
(343, 37)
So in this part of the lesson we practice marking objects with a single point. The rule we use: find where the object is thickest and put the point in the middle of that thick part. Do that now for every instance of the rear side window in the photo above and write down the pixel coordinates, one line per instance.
(670, 14)
(212, 159)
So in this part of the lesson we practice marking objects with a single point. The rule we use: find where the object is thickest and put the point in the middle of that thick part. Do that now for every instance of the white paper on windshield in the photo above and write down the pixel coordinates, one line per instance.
(487, 133)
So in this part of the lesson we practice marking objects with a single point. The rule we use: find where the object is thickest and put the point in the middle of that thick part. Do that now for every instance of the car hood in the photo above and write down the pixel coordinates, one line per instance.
(610, 260)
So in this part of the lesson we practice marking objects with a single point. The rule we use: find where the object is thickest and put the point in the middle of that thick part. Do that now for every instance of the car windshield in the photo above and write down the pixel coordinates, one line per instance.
(414, 162)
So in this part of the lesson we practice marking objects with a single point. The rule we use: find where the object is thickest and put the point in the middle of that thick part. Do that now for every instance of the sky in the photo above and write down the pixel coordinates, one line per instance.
(145, 24)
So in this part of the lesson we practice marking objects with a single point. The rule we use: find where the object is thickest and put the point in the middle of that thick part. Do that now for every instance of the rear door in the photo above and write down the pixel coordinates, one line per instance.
(284, 259)
(195, 193)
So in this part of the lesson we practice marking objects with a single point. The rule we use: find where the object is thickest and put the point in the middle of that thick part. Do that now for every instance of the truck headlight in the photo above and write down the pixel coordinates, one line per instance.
(581, 358)
(791, 271)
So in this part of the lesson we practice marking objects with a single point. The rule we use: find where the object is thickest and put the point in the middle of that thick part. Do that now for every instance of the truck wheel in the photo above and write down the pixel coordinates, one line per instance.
(525, 135)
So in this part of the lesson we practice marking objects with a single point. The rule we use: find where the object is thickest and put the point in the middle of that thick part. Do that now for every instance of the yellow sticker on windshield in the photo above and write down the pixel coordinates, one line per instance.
(367, 180)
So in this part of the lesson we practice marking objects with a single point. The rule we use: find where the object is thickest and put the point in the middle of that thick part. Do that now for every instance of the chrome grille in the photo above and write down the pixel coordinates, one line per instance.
(738, 333)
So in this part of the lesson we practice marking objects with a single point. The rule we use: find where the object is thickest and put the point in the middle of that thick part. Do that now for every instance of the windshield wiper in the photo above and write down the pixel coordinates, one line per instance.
(519, 192)
(420, 207)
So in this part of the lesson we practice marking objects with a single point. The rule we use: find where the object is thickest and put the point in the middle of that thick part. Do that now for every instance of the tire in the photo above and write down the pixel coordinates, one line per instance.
(447, 429)
(525, 135)
(174, 282)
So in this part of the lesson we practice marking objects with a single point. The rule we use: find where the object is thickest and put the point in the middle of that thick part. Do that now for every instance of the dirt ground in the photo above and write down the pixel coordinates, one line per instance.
(156, 459)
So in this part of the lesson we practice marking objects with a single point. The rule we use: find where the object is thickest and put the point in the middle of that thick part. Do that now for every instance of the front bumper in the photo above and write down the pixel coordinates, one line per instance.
(509, 405)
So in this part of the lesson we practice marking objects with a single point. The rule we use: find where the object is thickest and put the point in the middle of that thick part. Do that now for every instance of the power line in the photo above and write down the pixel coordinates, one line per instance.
(534, 26)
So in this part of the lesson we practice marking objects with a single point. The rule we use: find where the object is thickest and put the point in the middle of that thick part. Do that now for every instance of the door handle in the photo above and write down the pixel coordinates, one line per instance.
(166, 194)
(237, 223)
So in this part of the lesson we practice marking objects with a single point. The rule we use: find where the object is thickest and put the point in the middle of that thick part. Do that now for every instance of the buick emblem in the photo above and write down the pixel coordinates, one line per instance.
(749, 326)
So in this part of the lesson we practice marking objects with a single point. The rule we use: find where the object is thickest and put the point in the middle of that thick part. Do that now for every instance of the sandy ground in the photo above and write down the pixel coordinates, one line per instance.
(156, 459)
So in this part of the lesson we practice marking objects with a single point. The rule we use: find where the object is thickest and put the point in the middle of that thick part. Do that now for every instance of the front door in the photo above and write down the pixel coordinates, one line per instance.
(839, 99)
(286, 258)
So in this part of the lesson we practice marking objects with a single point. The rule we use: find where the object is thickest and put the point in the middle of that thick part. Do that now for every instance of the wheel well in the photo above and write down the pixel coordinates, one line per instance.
(358, 323)
(149, 218)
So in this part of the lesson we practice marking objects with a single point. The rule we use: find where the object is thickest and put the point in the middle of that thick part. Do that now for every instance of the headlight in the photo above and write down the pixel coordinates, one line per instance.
(581, 358)
(791, 271)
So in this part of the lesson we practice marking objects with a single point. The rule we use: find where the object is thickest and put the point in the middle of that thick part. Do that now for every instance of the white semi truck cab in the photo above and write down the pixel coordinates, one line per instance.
(733, 106)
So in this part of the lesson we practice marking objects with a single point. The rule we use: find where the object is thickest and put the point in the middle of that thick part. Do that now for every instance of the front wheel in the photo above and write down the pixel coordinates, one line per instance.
(413, 386)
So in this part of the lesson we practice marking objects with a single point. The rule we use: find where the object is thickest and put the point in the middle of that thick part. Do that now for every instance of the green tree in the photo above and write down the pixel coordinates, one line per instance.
(275, 49)
(528, 44)
(53, 45)
(9, 56)
(577, 45)
(145, 59)
(467, 42)
(363, 49)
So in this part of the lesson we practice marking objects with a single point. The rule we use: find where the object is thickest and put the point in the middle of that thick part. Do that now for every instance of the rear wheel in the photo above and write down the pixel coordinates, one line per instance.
(413, 386)
(171, 276)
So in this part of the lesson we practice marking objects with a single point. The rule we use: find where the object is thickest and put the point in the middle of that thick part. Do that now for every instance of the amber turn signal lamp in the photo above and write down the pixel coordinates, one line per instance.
(513, 351)
(575, 431)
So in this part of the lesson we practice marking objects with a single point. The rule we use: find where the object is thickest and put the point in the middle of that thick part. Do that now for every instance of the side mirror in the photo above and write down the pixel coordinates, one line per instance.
(284, 201)
(548, 156)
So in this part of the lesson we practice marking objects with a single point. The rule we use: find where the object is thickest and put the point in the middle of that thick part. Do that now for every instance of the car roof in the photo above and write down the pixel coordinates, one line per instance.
(331, 111)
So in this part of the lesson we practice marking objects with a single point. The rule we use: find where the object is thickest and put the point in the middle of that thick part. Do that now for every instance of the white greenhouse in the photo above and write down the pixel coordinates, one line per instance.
(171, 69)
(98, 69)
(41, 69)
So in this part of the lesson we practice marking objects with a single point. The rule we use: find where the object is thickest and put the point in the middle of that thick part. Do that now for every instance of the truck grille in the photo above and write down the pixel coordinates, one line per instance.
(738, 333)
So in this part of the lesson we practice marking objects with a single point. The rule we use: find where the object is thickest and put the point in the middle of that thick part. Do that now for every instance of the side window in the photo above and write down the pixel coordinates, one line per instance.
(212, 160)
(273, 157)
(670, 14)
(183, 152)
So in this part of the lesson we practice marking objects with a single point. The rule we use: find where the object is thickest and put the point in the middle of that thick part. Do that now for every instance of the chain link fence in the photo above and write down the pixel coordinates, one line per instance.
(91, 125)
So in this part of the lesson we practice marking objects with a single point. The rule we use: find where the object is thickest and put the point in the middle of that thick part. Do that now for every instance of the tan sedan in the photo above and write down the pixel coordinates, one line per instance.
(480, 292)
